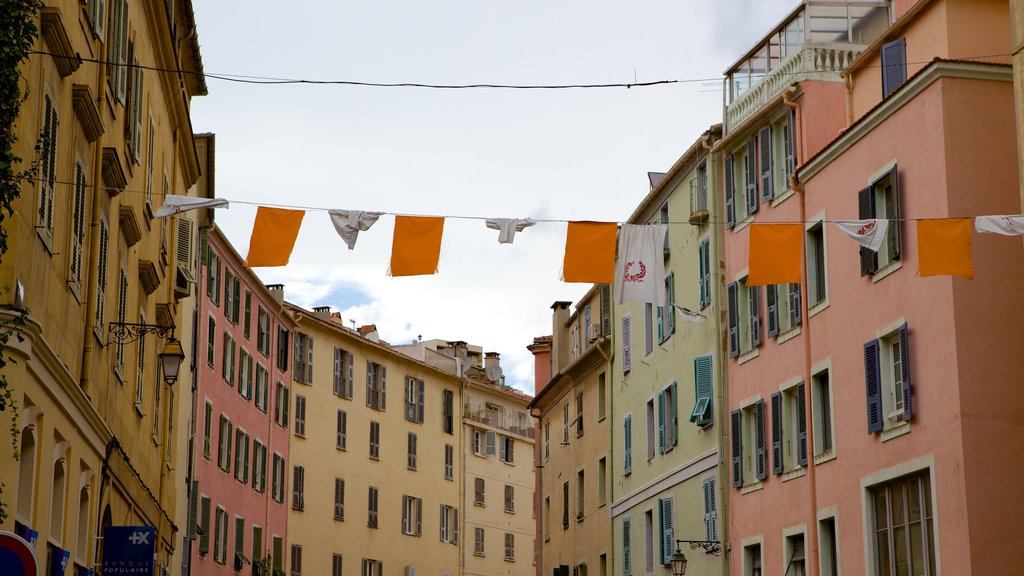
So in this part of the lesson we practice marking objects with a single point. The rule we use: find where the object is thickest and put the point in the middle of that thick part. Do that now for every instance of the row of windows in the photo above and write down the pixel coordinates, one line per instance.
(238, 308)
(659, 530)
(235, 452)
(581, 475)
(480, 549)
(490, 443)
(199, 526)
(480, 495)
(369, 566)
(578, 420)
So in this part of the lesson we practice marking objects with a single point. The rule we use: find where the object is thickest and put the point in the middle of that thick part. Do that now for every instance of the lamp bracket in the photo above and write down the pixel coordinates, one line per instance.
(708, 546)
(127, 332)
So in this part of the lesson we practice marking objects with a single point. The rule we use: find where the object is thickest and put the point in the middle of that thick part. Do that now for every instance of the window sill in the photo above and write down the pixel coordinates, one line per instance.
(743, 223)
(481, 554)
(479, 504)
(45, 236)
(600, 418)
(886, 270)
(782, 197)
(748, 488)
(826, 456)
(895, 431)
(748, 356)
(788, 335)
(507, 559)
(340, 448)
(507, 511)
(794, 474)
(138, 409)
(817, 308)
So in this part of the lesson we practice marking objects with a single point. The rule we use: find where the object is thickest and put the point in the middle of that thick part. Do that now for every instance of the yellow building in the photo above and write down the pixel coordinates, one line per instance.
(574, 441)
(96, 443)
(375, 448)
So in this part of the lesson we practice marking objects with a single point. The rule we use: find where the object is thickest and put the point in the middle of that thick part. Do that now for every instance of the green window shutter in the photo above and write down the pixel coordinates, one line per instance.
(670, 290)
(777, 463)
(674, 411)
(703, 413)
(204, 524)
(736, 438)
(193, 509)
(661, 422)
(801, 425)
(661, 323)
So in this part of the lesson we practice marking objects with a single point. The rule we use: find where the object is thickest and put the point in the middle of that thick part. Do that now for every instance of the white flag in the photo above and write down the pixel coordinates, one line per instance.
(868, 233)
(640, 267)
(348, 224)
(178, 204)
(508, 227)
(1005, 225)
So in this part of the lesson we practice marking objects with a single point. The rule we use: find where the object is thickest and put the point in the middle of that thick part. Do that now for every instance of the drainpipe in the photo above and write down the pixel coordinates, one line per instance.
(811, 552)
(538, 469)
(849, 100)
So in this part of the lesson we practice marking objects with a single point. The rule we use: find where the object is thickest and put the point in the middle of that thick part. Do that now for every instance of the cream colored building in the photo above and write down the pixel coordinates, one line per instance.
(574, 446)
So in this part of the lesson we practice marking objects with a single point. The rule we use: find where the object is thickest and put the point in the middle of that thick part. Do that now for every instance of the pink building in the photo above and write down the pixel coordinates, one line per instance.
(241, 414)
(875, 415)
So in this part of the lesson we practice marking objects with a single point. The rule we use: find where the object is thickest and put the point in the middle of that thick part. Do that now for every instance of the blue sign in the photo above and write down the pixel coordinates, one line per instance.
(28, 534)
(58, 561)
(17, 557)
(128, 550)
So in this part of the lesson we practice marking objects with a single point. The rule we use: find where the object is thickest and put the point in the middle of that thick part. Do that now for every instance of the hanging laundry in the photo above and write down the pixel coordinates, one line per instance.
(689, 315)
(868, 233)
(944, 248)
(416, 246)
(640, 267)
(775, 251)
(349, 223)
(1005, 225)
(273, 236)
(508, 227)
(178, 204)
(589, 252)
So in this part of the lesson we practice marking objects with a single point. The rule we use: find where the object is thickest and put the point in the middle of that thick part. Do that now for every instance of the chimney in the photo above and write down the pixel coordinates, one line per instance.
(460, 349)
(492, 360)
(277, 291)
(369, 332)
(336, 318)
(541, 350)
(560, 344)
(322, 312)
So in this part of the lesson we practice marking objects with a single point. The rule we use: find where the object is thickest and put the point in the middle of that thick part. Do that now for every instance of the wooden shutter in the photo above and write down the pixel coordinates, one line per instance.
(734, 333)
(371, 388)
(204, 519)
(606, 309)
(773, 310)
(873, 385)
(667, 536)
(894, 65)
(410, 398)
(419, 516)
(895, 219)
(670, 307)
(765, 161)
(801, 424)
(455, 526)
(865, 210)
(661, 323)
(794, 304)
(491, 440)
(908, 409)
(350, 372)
(627, 344)
(383, 385)
(736, 432)
(710, 510)
(121, 72)
(419, 400)
(777, 457)
(628, 444)
(339, 386)
(661, 422)
(673, 410)
(730, 193)
(750, 172)
(627, 565)
(790, 142)
(193, 510)
(755, 316)
(702, 373)
(762, 453)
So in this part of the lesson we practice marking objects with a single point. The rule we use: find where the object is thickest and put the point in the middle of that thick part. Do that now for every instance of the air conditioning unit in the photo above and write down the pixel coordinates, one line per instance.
(593, 332)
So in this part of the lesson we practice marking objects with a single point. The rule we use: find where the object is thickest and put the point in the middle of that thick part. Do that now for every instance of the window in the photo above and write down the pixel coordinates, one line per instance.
(828, 547)
(651, 424)
(204, 525)
(224, 444)
(211, 336)
(101, 284)
(232, 296)
(478, 491)
(478, 541)
(752, 560)
(239, 537)
(300, 416)
(565, 424)
(510, 498)
(749, 459)
(744, 317)
(881, 200)
(372, 567)
(343, 379)
(627, 441)
(413, 399)
(247, 317)
(478, 442)
(507, 452)
(302, 369)
(821, 398)
(298, 487)
(667, 313)
(77, 228)
(449, 462)
(207, 426)
(47, 170)
(887, 377)
(213, 274)
(228, 361)
(789, 429)
(627, 344)
(601, 392)
(374, 440)
(667, 543)
(220, 536)
(244, 374)
(277, 482)
(565, 506)
(449, 524)
(710, 510)
(282, 349)
(376, 386)
(903, 525)
(448, 412)
(703, 413)
(648, 329)
(627, 548)
(412, 514)
(263, 331)
(262, 384)
(817, 285)
(371, 507)
(547, 440)
(510, 546)
(668, 419)
(894, 65)
(281, 405)
(122, 312)
(277, 555)
(547, 518)
(580, 495)
(579, 414)
(783, 304)
(602, 482)
(704, 274)
(296, 560)
(259, 466)
(336, 564)
(257, 546)
(411, 454)
(242, 456)
(341, 441)
(339, 498)
(649, 541)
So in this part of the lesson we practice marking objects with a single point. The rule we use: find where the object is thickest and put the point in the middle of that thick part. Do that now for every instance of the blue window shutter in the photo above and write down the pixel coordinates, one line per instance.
(873, 385)
(794, 303)
(894, 65)
(908, 407)
(765, 161)
(755, 316)
(751, 176)
(730, 193)
(735, 432)
(661, 422)
(667, 536)
(703, 412)
(661, 529)
(865, 210)
(734, 334)
(777, 458)
(627, 565)
(762, 453)
(661, 324)
(801, 424)
(674, 411)
(773, 310)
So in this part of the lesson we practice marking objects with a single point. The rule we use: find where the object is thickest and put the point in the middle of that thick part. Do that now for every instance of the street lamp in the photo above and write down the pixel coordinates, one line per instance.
(170, 357)
(679, 559)
(678, 563)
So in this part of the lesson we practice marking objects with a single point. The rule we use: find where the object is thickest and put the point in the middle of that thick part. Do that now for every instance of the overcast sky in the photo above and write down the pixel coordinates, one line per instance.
(557, 154)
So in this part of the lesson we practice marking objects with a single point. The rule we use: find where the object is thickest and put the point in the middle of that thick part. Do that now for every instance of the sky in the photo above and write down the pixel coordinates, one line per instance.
(570, 154)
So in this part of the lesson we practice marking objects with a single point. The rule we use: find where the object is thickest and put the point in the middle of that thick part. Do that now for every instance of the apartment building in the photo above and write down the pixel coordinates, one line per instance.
(829, 475)
(86, 258)
(667, 384)
(573, 411)
(375, 475)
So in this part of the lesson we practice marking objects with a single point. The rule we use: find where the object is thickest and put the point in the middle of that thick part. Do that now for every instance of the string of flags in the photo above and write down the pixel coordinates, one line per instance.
(637, 269)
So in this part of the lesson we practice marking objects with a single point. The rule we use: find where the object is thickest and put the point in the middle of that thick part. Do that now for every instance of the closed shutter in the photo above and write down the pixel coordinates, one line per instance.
(755, 316)
(895, 218)
(801, 424)
(667, 535)
(866, 210)
(765, 160)
(736, 426)
(772, 291)
(894, 65)
(627, 344)
(606, 310)
(670, 307)
(777, 458)
(710, 511)
(794, 304)
(730, 193)
(627, 564)
(628, 442)
(751, 176)
(734, 333)
(790, 142)
(873, 385)
(762, 453)
(908, 409)
(673, 410)
(661, 422)
(204, 525)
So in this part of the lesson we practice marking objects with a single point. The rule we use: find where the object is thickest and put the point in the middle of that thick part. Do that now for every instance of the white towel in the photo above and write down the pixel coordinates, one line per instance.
(1005, 225)
(349, 223)
(640, 267)
(508, 227)
(868, 233)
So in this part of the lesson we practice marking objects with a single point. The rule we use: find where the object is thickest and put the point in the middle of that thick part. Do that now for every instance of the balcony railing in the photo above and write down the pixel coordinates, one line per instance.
(515, 422)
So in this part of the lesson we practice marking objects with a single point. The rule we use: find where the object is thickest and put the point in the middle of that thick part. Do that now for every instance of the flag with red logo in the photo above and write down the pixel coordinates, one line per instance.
(640, 266)
(868, 233)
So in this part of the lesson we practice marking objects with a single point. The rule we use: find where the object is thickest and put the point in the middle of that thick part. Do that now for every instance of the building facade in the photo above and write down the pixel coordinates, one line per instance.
(573, 411)
(667, 386)
(95, 445)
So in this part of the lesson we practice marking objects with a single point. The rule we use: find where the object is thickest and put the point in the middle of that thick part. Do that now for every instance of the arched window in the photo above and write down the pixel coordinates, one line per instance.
(82, 539)
(56, 529)
(27, 475)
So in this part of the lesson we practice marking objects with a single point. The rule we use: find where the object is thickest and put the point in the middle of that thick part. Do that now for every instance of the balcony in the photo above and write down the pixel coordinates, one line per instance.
(815, 42)
(699, 197)
(516, 422)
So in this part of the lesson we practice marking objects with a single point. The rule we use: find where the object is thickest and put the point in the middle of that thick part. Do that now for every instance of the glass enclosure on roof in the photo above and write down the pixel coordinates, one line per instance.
(821, 23)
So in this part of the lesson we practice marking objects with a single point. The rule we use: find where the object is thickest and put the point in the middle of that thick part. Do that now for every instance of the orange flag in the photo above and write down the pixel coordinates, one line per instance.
(589, 252)
(944, 248)
(273, 236)
(775, 251)
(416, 246)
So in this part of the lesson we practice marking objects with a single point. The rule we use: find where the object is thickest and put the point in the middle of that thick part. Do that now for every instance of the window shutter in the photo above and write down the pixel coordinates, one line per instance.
(606, 307)
(767, 185)
(300, 339)
(737, 448)
(667, 536)
(338, 384)
(894, 65)
(627, 565)
(371, 395)
(866, 210)
(801, 424)
(661, 323)
(627, 344)
(710, 510)
(762, 454)
(773, 310)
(734, 334)
(491, 441)
(777, 458)
(309, 344)
(755, 316)
(383, 384)
(351, 375)
(420, 392)
(908, 409)
(673, 400)
(410, 395)
(794, 304)
(628, 442)
(419, 516)
(873, 385)
(670, 306)
(193, 510)
(703, 413)
(790, 142)
(895, 219)
(204, 518)
(661, 422)
(751, 175)
(455, 526)
(730, 193)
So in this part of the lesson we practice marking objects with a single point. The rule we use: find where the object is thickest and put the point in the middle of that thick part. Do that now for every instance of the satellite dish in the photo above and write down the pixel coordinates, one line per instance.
(493, 373)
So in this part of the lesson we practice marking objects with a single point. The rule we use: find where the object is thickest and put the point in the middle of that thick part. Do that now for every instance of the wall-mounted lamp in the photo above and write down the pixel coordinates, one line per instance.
(170, 356)
(679, 559)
